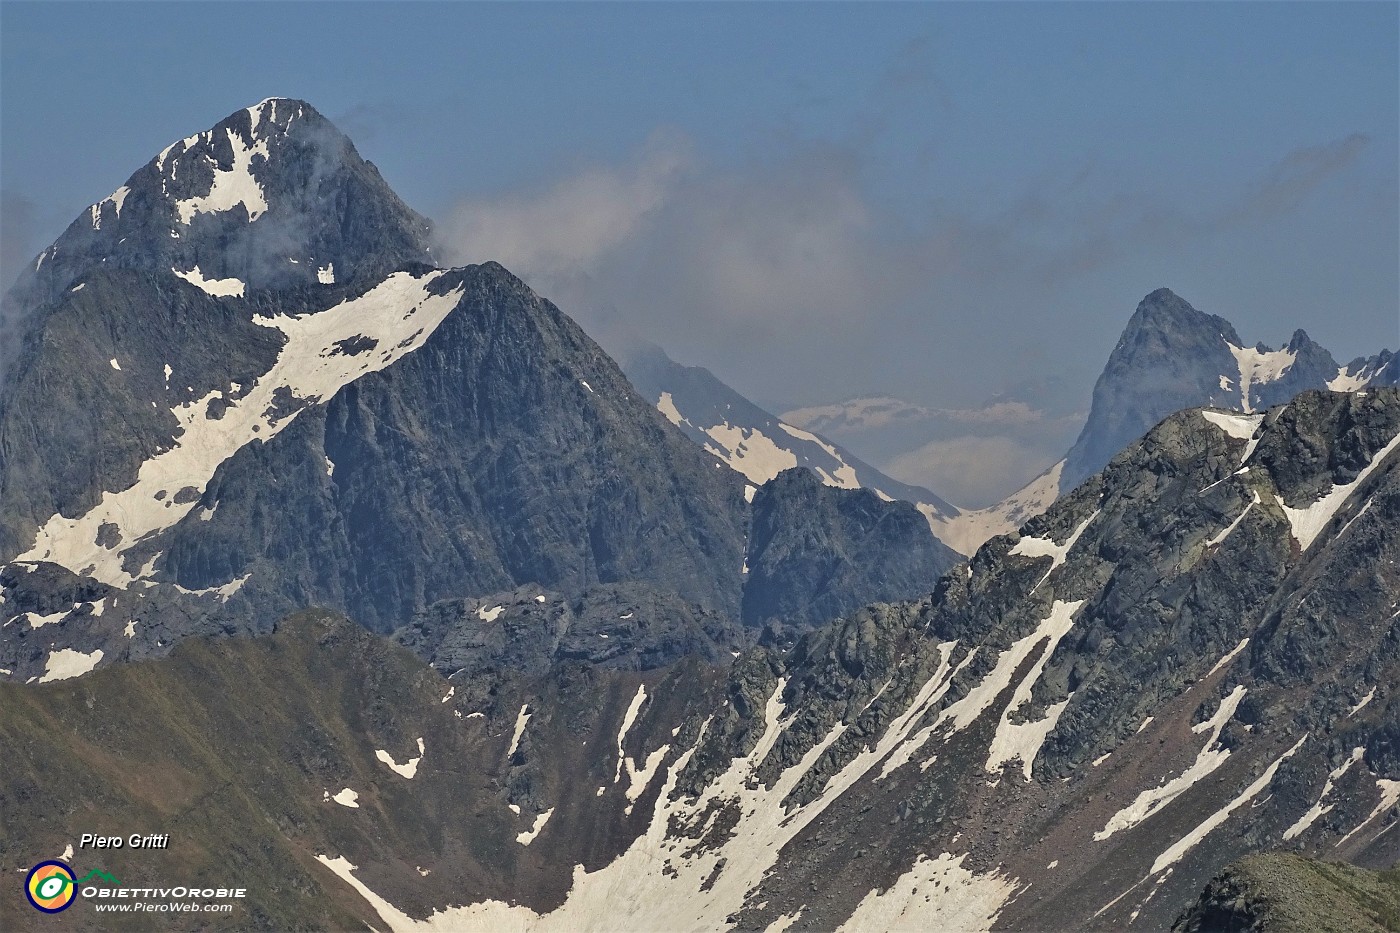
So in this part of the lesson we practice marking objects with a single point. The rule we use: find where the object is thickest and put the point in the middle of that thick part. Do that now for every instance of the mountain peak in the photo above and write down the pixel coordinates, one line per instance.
(272, 196)
(1164, 310)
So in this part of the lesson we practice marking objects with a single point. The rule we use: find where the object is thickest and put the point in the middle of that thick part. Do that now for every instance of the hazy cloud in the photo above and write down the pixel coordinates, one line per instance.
(685, 253)
(967, 470)
(1294, 178)
(568, 230)
(786, 277)
(19, 235)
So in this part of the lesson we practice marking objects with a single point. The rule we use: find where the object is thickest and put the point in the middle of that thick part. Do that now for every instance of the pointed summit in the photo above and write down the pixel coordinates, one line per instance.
(1170, 356)
(272, 196)
(1167, 315)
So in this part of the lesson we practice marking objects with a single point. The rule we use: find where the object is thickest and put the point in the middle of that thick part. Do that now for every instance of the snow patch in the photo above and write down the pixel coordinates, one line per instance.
(223, 287)
(66, 663)
(627, 719)
(529, 835)
(1317, 809)
(1046, 547)
(1390, 796)
(36, 620)
(1348, 381)
(222, 592)
(1210, 757)
(640, 777)
(1183, 845)
(489, 615)
(326, 274)
(844, 476)
(1240, 427)
(408, 769)
(968, 531)
(965, 900)
(231, 187)
(750, 452)
(1371, 695)
(1258, 367)
(346, 798)
(521, 719)
(1234, 652)
(1023, 740)
(1307, 522)
(1220, 538)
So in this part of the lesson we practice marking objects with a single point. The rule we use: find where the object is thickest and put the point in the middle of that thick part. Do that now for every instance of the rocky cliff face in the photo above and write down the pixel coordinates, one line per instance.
(816, 553)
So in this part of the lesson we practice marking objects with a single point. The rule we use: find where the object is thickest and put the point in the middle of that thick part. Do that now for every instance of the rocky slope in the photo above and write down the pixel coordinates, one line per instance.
(1289, 894)
(258, 755)
(816, 553)
(1188, 659)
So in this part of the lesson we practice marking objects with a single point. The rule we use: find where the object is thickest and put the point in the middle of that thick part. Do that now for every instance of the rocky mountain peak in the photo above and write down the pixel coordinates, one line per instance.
(1164, 312)
(273, 196)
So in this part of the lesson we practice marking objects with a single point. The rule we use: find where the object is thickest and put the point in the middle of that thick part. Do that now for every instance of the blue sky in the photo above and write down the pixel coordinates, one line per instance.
(936, 201)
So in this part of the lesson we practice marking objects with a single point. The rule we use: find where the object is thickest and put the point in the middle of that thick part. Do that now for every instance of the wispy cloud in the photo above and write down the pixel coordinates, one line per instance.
(786, 271)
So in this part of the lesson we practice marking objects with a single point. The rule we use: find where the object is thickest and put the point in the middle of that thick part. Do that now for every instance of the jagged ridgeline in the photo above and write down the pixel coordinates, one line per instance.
(242, 388)
(614, 695)
(1170, 356)
(1189, 659)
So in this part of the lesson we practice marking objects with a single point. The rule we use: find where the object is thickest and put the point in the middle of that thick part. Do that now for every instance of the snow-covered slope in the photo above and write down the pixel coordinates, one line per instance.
(758, 444)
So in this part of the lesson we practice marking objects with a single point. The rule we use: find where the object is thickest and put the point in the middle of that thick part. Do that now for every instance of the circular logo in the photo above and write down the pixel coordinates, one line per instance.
(50, 886)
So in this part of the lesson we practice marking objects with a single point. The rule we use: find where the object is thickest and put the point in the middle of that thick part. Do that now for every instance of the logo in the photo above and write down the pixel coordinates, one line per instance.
(50, 886)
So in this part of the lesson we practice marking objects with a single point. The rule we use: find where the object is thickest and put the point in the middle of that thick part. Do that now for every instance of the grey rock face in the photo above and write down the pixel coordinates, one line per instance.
(90, 397)
(1171, 357)
(816, 552)
(509, 449)
(619, 626)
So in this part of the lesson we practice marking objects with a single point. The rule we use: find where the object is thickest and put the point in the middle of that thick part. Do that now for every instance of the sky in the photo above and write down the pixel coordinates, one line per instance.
(952, 204)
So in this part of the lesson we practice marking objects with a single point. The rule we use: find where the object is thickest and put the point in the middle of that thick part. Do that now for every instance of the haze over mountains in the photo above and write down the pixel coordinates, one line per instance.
(386, 587)
(1170, 357)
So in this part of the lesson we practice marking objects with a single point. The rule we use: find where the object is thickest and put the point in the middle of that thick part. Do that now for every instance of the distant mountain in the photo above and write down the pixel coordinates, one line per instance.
(320, 417)
(760, 445)
(752, 441)
(271, 197)
(1186, 660)
(1171, 357)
